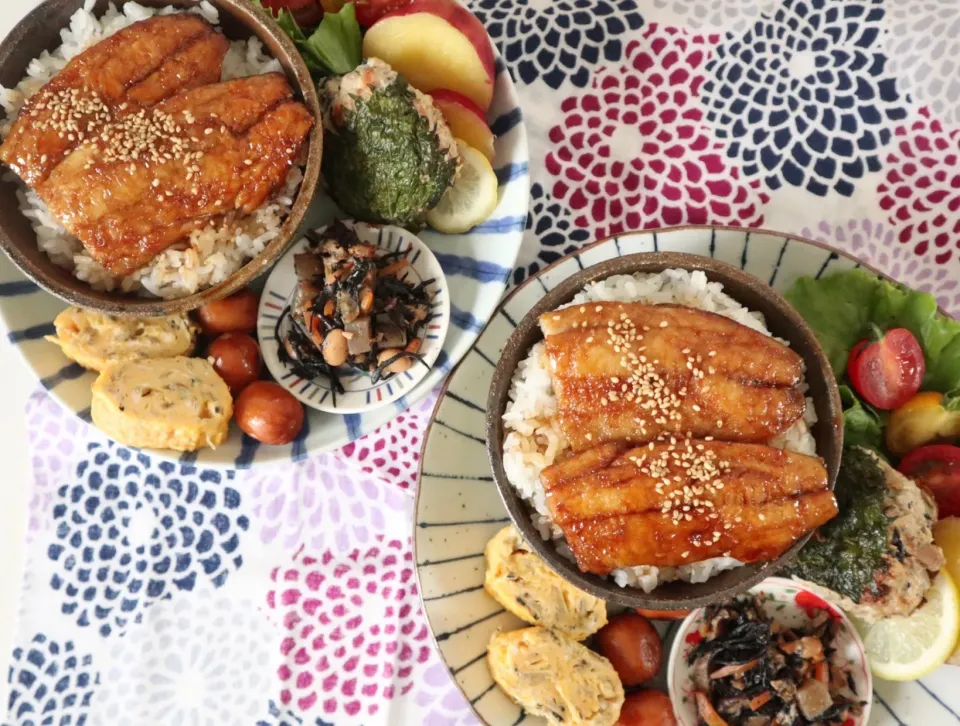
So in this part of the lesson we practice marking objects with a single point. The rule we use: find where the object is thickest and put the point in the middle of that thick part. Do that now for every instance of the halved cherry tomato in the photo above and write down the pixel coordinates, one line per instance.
(888, 370)
(305, 12)
(370, 11)
(936, 468)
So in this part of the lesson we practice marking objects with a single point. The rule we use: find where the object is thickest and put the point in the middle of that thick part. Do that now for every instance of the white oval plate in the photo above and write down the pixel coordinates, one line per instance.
(458, 508)
(477, 265)
(361, 394)
(780, 606)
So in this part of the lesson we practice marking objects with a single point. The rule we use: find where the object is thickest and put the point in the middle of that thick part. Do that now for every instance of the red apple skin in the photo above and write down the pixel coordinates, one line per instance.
(477, 133)
(445, 95)
(461, 19)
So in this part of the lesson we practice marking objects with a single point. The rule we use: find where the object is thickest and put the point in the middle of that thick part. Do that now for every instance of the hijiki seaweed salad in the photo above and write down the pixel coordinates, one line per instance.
(353, 310)
(749, 670)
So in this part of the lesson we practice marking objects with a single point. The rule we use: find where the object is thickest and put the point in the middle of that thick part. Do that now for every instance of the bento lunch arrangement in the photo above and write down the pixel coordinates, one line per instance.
(155, 158)
(659, 434)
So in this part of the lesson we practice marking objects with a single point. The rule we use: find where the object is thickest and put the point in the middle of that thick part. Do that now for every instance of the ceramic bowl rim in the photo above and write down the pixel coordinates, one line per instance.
(771, 583)
(420, 373)
(829, 412)
(78, 292)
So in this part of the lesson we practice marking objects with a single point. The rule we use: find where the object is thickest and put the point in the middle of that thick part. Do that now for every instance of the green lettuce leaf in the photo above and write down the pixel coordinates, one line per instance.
(841, 308)
(336, 44)
(862, 425)
(333, 48)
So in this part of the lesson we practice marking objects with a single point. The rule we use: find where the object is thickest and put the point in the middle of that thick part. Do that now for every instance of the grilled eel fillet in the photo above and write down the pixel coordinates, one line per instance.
(135, 68)
(670, 504)
(628, 371)
(210, 152)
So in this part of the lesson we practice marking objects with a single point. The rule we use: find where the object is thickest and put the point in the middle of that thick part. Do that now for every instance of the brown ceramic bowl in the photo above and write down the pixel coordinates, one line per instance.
(782, 320)
(239, 20)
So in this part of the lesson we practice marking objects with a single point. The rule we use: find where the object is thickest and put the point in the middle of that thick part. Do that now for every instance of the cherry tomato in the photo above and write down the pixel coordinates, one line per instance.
(370, 11)
(632, 645)
(268, 412)
(236, 359)
(887, 372)
(936, 468)
(305, 12)
(234, 314)
(647, 708)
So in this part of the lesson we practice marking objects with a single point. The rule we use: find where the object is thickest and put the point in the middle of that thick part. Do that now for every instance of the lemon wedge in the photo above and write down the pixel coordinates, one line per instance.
(471, 199)
(946, 533)
(905, 648)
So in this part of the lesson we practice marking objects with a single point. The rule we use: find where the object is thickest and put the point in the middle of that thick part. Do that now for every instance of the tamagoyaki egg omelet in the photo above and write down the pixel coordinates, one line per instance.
(523, 583)
(169, 403)
(555, 677)
(97, 340)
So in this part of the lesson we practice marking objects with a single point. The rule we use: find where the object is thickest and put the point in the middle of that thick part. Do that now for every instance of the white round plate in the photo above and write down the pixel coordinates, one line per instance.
(458, 508)
(781, 606)
(477, 265)
(360, 394)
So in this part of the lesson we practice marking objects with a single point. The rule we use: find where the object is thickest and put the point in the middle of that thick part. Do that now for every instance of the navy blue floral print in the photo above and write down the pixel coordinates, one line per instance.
(803, 96)
(550, 225)
(130, 531)
(50, 683)
(560, 39)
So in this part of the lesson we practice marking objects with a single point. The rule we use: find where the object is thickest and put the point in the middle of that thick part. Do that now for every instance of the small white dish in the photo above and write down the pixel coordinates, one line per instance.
(782, 605)
(361, 394)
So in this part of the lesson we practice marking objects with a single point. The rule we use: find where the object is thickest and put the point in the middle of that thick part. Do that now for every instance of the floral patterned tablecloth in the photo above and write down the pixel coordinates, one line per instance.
(162, 594)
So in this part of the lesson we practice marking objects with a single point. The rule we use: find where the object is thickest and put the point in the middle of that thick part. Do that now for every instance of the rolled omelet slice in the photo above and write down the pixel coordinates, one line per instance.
(523, 583)
(96, 340)
(169, 403)
(552, 676)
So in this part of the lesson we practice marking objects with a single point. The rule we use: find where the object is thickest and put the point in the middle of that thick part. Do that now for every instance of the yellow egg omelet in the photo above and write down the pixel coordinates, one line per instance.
(97, 340)
(555, 677)
(523, 583)
(170, 403)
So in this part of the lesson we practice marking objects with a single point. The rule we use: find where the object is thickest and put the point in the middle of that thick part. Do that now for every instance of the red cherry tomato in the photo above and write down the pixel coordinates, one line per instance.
(305, 12)
(647, 708)
(936, 468)
(887, 372)
(370, 11)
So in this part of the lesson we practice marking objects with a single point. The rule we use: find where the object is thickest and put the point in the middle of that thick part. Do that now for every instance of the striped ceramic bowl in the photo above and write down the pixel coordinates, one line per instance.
(361, 393)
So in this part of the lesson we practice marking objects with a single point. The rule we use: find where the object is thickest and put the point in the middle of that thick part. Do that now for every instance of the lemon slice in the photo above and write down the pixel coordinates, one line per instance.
(906, 648)
(471, 199)
(946, 533)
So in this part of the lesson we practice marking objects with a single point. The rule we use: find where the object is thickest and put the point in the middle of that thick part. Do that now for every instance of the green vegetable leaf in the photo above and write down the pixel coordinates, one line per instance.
(337, 43)
(838, 308)
(951, 400)
(333, 48)
(841, 308)
(861, 424)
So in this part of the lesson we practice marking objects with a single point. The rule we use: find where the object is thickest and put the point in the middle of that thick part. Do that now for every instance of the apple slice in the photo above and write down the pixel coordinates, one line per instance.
(436, 44)
(466, 120)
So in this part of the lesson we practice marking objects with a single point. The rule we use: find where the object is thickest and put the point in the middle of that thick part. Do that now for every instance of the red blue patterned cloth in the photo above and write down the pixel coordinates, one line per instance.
(159, 593)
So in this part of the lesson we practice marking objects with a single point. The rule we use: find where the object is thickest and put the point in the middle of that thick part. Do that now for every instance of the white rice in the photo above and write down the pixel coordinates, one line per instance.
(535, 439)
(211, 254)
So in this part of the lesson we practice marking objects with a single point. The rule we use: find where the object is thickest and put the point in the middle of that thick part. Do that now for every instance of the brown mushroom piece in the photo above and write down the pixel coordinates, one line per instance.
(813, 698)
